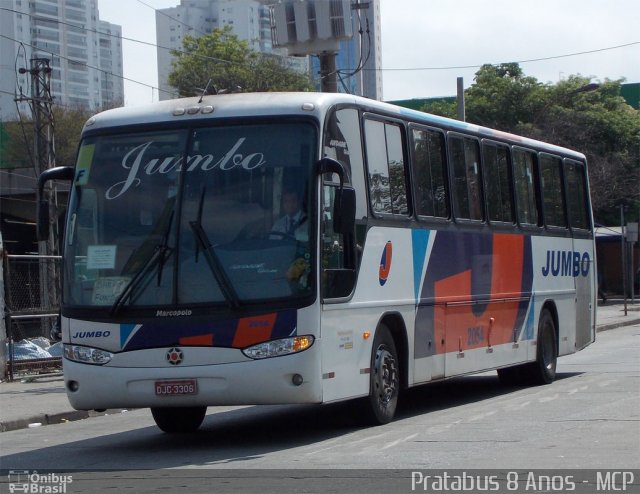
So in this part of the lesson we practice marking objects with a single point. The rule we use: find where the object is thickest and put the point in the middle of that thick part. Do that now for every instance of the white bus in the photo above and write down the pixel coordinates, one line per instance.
(417, 248)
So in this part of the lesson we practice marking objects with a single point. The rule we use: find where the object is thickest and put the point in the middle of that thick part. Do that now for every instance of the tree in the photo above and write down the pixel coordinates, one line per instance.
(596, 120)
(502, 97)
(442, 107)
(223, 62)
(575, 113)
(68, 124)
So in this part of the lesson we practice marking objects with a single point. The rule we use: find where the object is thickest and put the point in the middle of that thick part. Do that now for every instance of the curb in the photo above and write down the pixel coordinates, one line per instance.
(614, 325)
(52, 419)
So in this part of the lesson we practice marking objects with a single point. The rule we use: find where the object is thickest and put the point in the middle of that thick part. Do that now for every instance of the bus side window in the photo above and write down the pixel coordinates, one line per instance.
(497, 180)
(525, 181)
(577, 195)
(338, 263)
(552, 193)
(429, 158)
(467, 188)
(386, 167)
(343, 142)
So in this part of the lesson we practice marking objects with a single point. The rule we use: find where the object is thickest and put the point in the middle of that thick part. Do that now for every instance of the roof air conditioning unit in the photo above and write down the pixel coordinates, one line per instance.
(311, 26)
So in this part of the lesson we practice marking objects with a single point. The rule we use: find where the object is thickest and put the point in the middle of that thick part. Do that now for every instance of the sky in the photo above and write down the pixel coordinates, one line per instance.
(427, 44)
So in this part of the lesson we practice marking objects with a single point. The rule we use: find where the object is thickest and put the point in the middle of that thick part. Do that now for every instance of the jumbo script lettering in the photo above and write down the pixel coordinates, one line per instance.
(134, 161)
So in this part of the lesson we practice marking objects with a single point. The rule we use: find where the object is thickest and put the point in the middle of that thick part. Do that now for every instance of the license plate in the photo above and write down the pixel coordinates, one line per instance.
(177, 387)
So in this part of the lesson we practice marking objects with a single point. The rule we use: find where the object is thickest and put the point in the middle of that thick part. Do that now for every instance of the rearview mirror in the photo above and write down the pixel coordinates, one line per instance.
(344, 203)
(344, 210)
(58, 173)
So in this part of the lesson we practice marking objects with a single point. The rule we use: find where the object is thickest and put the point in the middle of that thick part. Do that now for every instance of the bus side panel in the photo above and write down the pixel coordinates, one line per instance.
(385, 285)
(557, 272)
(586, 289)
(477, 287)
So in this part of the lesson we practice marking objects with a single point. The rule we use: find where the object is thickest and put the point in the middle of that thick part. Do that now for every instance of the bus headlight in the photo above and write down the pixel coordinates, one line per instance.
(87, 355)
(277, 348)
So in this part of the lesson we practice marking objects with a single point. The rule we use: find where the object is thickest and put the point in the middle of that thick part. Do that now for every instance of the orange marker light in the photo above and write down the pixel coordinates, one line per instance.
(366, 335)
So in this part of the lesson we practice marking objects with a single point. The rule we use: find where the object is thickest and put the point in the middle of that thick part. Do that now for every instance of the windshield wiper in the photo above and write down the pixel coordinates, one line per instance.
(216, 267)
(156, 260)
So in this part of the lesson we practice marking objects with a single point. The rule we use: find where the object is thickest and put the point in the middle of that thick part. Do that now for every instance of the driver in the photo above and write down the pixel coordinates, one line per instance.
(293, 221)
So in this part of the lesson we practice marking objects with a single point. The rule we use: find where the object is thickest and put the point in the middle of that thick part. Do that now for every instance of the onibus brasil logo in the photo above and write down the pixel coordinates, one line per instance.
(40, 483)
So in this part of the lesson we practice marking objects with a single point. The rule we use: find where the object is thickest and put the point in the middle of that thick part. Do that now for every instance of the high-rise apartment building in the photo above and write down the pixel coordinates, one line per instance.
(250, 21)
(248, 18)
(85, 53)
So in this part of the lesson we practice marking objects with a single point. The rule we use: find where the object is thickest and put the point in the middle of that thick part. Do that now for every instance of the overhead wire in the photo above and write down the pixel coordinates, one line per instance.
(125, 38)
(360, 66)
(541, 59)
(18, 110)
(158, 11)
(62, 57)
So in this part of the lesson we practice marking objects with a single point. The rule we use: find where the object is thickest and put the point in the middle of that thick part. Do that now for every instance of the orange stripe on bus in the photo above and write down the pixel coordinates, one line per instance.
(462, 328)
(252, 330)
(199, 340)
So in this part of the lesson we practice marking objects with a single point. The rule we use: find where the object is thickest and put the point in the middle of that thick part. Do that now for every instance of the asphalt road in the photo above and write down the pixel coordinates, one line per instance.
(589, 418)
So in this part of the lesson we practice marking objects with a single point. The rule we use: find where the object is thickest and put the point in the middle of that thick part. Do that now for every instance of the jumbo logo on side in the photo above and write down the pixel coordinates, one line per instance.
(385, 263)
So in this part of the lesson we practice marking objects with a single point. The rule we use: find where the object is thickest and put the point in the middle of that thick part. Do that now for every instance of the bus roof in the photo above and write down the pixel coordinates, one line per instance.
(300, 103)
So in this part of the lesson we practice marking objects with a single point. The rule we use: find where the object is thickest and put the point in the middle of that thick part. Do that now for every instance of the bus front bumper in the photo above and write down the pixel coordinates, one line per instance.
(287, 379)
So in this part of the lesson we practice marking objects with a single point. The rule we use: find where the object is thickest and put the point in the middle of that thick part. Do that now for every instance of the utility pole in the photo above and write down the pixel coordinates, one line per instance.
(41, 103)
(328, 74)
(460, 107)
(314, 27)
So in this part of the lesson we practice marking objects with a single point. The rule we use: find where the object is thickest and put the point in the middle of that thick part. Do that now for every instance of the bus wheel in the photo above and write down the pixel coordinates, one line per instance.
(178, 420)
(543, 370)
(380, 406)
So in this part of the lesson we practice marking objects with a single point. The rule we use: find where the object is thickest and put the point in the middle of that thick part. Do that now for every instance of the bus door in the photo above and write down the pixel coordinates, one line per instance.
(584, 265)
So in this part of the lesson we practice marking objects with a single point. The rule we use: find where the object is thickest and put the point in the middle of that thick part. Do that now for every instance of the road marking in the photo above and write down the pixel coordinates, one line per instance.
(607, 383)
(544, 399)
(398, 441)
(481, 416)
(518, 407)
(341, 445)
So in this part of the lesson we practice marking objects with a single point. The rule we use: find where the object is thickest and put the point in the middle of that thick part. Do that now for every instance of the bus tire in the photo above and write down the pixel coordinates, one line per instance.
(384, 387)
(543, 370)
(178, 420)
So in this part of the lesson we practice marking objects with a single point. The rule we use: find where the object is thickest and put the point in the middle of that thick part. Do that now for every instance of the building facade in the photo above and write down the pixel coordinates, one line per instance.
(84, 53)
(250, 20)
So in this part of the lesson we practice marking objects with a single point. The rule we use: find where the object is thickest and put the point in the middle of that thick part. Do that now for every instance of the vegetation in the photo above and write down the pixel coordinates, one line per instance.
(575, 113)
(220, 61)
(19, 149)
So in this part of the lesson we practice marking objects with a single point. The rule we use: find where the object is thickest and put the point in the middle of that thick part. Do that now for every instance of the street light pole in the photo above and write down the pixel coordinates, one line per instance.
(623, 252)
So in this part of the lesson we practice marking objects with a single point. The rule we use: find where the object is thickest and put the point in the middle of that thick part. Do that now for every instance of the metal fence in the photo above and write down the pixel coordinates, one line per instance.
(32, 299)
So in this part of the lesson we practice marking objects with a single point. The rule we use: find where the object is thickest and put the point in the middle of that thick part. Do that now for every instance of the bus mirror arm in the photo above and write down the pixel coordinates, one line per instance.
(329, 165)
(344, 204)
(57, 173)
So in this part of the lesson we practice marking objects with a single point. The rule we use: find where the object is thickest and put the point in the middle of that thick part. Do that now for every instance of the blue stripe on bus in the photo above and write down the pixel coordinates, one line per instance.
(419, 242)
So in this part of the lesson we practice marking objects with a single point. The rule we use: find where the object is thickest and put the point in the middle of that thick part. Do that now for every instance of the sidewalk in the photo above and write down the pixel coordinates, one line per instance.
(41, 400)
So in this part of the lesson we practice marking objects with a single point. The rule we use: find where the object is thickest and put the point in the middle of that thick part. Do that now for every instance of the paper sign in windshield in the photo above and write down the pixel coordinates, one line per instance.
(106, 290)
(101, 257)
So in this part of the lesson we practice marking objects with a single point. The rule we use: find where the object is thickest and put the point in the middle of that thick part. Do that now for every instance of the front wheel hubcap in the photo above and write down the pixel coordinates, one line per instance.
(386, 376)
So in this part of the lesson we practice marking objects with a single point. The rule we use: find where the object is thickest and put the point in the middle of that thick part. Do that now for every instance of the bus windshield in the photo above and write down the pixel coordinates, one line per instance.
(212, 215)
